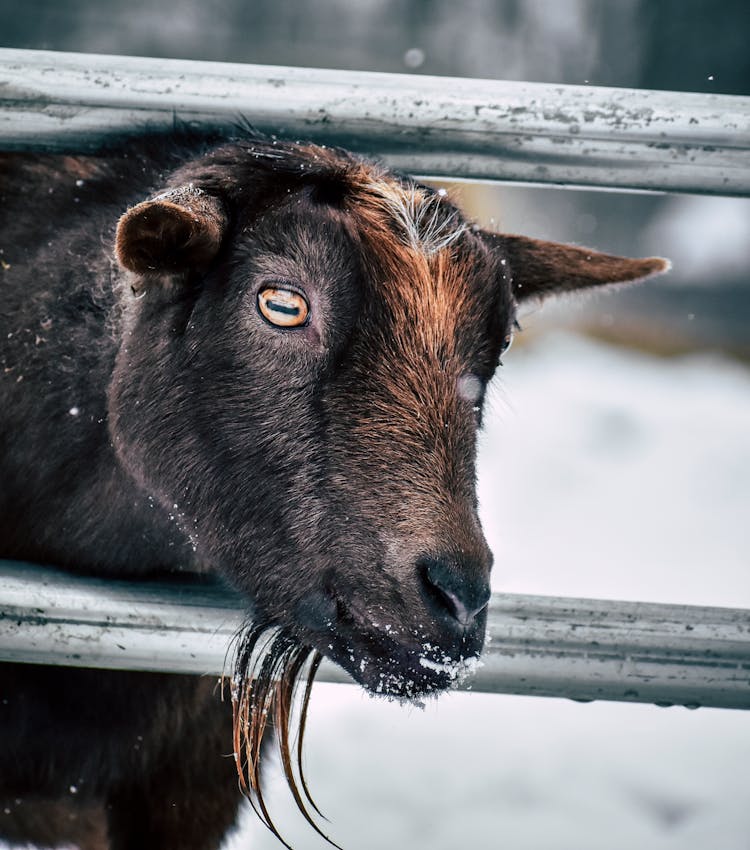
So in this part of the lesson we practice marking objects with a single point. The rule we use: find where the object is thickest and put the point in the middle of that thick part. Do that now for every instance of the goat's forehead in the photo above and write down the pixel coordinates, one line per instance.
(422, 220)
(426, 265)
(417, 216)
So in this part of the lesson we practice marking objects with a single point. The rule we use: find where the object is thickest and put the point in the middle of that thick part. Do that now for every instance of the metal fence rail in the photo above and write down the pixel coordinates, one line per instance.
(433, 126)
(575, 648)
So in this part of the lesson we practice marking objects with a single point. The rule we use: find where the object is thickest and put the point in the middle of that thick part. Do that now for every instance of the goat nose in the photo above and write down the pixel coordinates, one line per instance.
(453, 587)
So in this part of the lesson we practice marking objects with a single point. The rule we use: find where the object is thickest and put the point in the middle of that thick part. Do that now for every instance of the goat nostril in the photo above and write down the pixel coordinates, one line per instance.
(456, 607)
(452, 591)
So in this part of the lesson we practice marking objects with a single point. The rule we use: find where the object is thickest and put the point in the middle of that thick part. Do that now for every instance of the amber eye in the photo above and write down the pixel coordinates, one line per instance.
(283, 307)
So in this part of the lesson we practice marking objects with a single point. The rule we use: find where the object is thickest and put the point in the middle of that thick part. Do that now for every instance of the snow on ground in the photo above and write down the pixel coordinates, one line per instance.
(602, 474)
(612, 474)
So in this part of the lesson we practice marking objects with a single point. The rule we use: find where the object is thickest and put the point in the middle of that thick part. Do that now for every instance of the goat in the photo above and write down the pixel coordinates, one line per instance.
(277, 376)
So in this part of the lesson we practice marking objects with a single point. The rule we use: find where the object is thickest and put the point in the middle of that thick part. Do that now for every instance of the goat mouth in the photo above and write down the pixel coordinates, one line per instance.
(402, 663)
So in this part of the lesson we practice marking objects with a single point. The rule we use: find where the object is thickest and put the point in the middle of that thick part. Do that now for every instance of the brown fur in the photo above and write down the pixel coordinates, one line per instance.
(49, 824)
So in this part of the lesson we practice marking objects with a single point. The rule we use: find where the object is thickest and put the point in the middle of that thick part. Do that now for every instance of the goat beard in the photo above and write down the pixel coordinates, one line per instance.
(271, 670)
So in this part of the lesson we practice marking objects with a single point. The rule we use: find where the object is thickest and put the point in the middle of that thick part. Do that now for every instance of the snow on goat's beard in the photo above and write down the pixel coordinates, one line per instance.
(457, 670)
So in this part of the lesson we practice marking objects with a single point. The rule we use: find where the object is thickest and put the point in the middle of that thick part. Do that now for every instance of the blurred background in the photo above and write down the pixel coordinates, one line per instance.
(616, 458)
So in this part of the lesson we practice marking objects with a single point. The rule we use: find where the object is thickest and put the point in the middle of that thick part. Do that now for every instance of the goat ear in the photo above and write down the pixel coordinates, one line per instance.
(174, 232)
(539, 269)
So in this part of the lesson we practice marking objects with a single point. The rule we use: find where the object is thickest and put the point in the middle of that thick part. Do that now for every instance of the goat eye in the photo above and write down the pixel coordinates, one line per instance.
(283, 307)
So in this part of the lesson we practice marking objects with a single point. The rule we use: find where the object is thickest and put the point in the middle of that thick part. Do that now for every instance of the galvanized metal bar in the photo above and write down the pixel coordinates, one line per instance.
(546, 646)
(434, 126)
